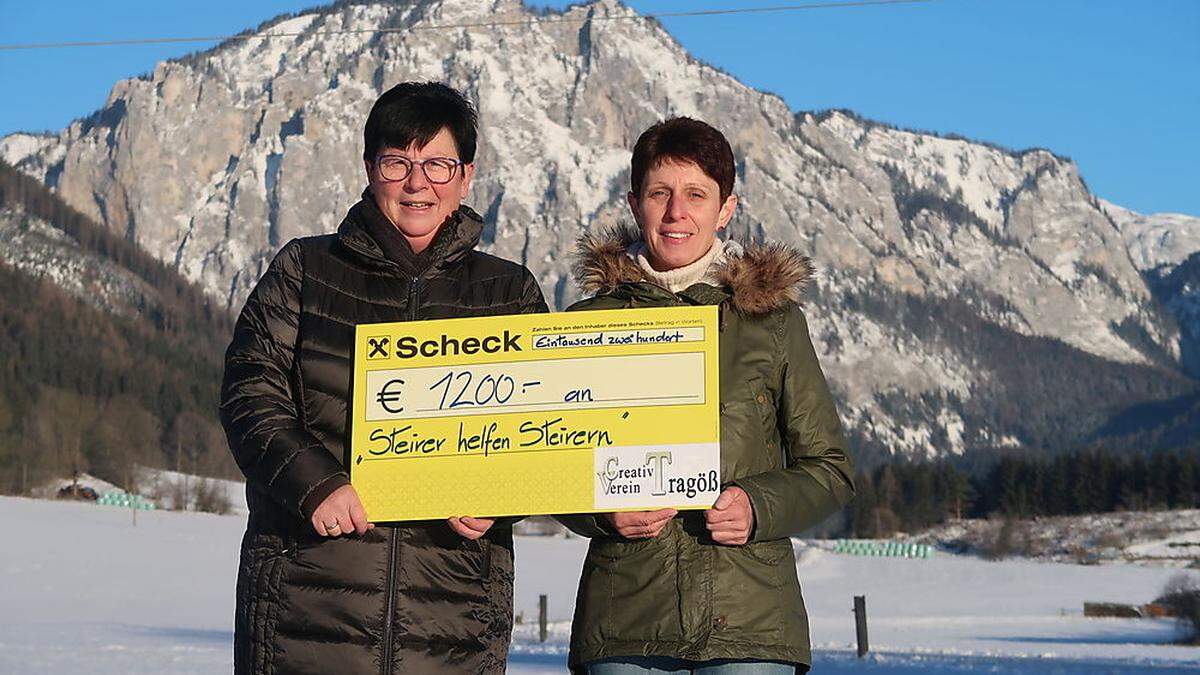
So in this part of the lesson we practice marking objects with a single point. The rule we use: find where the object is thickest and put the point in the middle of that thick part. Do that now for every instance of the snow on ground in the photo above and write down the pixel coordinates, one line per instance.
(1184, 546)
(165, 485)
(1167, 538)
(50, 489)
(83, 590)
(162, 487)
(968, 606)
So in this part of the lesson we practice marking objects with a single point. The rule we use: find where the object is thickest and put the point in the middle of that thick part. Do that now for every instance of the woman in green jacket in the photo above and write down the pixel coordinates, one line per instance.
(712, 591)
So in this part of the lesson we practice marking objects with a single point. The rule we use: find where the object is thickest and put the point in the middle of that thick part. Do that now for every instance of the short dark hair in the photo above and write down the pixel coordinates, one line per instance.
(683, 139)
(414, 112)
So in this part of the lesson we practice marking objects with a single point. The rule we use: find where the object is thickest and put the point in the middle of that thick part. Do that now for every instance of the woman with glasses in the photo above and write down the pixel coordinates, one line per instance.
(713, 591)
(320, 589)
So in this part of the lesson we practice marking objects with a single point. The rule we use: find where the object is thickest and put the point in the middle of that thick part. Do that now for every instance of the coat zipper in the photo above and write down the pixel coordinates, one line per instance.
(385, 667)
(412, 298)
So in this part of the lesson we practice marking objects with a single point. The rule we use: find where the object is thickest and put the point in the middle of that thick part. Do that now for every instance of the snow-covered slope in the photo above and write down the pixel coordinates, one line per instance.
(891, 217)
(180, 491)
(1166, 247)
(37, 248)
(1164, 538)
(83, 590)
(1156, 240)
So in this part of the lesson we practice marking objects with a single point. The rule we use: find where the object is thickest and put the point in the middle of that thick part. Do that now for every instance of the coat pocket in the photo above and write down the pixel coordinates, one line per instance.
(260, 572)
(773, 555)
(472, 565)
(749, 438)
(638, 585)
(751, 591)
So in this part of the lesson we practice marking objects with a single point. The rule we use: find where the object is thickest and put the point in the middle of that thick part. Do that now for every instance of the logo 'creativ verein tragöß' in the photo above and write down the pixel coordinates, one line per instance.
(618, 480)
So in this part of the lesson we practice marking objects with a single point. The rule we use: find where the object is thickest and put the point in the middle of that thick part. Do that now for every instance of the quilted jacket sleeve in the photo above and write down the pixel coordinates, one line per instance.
(269, 441)
(532, 301)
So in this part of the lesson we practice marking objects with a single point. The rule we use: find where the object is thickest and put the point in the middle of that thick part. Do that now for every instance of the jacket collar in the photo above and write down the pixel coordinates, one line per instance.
(456, 238)
(758, 280)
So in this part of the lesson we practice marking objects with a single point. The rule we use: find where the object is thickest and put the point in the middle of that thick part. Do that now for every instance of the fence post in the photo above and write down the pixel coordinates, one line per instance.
(542, 618)
(860, 624)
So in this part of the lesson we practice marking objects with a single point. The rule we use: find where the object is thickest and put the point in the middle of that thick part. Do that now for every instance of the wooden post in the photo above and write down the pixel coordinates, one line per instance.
(542, 618)
(860, 624)
(129, 486)
(186, 505)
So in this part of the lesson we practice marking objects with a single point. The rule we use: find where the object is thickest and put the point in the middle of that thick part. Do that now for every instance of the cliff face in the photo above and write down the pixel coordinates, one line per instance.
(939, 256)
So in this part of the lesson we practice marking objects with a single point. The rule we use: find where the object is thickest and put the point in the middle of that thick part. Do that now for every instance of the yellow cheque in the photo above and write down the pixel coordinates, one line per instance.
(578, 412)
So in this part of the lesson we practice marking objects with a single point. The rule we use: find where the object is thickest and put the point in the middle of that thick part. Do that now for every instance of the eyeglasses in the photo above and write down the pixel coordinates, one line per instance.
(438, 170)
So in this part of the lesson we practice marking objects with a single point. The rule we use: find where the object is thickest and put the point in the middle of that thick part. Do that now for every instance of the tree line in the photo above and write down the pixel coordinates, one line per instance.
(183, 310)
(910, 496)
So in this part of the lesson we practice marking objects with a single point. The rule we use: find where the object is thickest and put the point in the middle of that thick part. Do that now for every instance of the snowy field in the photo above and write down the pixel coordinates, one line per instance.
(82, 590)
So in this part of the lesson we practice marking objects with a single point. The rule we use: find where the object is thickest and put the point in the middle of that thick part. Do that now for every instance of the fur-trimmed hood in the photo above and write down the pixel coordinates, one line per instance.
(760, 277)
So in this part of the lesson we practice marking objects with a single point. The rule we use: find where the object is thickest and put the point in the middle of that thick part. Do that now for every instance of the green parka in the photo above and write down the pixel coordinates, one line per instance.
(680, 594)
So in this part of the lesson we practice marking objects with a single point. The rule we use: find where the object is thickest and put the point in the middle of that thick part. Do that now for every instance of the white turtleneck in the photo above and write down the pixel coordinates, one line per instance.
(681, 277)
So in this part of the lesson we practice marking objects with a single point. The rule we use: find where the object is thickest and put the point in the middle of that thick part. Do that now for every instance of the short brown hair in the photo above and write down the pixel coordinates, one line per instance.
(683, 139)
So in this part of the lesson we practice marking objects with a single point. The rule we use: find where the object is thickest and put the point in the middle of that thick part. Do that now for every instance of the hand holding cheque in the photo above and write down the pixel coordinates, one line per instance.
(730, 520)
(470, 528)
(342, 513)
(639, 524)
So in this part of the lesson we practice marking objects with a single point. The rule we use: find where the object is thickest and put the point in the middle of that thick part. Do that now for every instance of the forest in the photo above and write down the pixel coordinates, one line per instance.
(82, 389)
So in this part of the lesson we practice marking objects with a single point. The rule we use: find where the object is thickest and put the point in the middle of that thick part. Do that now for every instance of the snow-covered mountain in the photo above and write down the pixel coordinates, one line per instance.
(1166, 248)
(958, 278)
(1156, 240)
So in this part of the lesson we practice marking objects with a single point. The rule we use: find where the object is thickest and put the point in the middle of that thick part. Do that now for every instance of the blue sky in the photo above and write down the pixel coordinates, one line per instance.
(1115, 85)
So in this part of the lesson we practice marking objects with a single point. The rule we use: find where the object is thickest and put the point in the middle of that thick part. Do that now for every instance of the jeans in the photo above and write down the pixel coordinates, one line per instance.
(666, 665)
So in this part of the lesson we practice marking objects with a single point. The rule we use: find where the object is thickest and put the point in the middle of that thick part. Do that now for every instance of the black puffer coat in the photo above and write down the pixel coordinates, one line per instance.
(414, 598)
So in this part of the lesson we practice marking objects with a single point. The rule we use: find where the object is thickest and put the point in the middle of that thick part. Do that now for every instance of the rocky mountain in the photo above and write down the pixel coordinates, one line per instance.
(1157, 240)
(1166, 248)
(970, 296)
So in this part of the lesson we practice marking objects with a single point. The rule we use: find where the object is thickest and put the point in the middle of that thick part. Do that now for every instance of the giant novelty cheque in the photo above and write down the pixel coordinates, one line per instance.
(576, 412)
